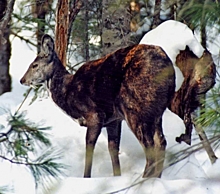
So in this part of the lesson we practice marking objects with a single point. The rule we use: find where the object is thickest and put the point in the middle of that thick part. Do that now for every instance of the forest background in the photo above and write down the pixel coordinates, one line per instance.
(86, 30)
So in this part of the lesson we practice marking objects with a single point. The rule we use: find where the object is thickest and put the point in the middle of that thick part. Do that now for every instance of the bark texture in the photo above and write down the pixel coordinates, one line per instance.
(156, 18)
(62, 25)
(5, 54)
(5, 45)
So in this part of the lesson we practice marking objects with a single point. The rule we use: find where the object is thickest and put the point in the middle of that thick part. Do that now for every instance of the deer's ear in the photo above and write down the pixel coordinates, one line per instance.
(47, 45)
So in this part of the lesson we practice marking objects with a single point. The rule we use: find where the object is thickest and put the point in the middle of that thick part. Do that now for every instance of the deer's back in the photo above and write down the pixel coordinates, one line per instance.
(136, 76)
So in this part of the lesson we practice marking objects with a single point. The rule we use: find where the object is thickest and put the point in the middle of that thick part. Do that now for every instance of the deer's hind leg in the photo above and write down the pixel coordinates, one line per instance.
(150, 135)
(156, 154)
(114, 136)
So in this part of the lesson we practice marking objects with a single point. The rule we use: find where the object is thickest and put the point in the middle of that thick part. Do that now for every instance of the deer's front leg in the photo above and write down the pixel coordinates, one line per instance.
(94, 126)
(114, 136)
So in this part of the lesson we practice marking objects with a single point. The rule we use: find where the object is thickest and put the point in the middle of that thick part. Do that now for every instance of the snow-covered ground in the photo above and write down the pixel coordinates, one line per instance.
(194, 174)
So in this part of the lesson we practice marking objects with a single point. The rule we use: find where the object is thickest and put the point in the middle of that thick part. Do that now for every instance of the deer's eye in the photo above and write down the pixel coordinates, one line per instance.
(35, 66)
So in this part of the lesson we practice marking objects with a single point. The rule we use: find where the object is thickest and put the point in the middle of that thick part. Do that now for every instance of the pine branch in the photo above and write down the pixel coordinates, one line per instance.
(206, 143)
(24, 137)
(209, 118)
(6, 189)
(47, 167)
(4, 136)
(23, 39)
(44, 167)
(24, 127)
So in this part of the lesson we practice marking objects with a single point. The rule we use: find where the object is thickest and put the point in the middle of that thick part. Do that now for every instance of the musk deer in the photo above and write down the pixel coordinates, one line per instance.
(135, 84)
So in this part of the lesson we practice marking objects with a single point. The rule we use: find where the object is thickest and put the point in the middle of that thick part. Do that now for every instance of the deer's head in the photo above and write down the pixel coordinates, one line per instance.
(41, 69)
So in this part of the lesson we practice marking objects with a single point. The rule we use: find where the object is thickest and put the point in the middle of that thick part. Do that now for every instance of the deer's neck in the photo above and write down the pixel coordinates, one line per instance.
(59, 69)
(57, 81)
(59, 88)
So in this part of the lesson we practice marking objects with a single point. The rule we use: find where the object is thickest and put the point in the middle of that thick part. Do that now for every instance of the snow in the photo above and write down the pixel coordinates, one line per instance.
(195, 174)
(173, 36)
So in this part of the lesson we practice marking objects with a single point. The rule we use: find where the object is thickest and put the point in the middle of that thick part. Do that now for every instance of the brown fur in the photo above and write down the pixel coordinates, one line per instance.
(199, 76)
(135, 84)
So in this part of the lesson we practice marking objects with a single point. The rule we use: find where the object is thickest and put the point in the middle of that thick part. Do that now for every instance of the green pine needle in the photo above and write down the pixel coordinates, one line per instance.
(5, 189)
(22, 138)
(210, 113)
(45, 168)
(207, 12)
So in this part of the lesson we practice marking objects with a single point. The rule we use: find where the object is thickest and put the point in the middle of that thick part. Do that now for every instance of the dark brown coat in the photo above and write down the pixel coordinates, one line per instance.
(135, 84)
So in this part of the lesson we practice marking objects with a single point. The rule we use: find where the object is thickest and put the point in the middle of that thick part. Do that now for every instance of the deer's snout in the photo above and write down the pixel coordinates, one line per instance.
(23, 80)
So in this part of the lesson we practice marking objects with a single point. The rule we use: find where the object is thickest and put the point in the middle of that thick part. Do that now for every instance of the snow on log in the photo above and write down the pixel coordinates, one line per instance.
(174, 36)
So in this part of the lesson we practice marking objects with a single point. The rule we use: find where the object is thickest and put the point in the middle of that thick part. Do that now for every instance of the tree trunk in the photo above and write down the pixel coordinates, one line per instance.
(86, 40)
(5, 45)
(115, 25)
(5, 54)
(3, 6)
(156, 18)
(62, 26)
